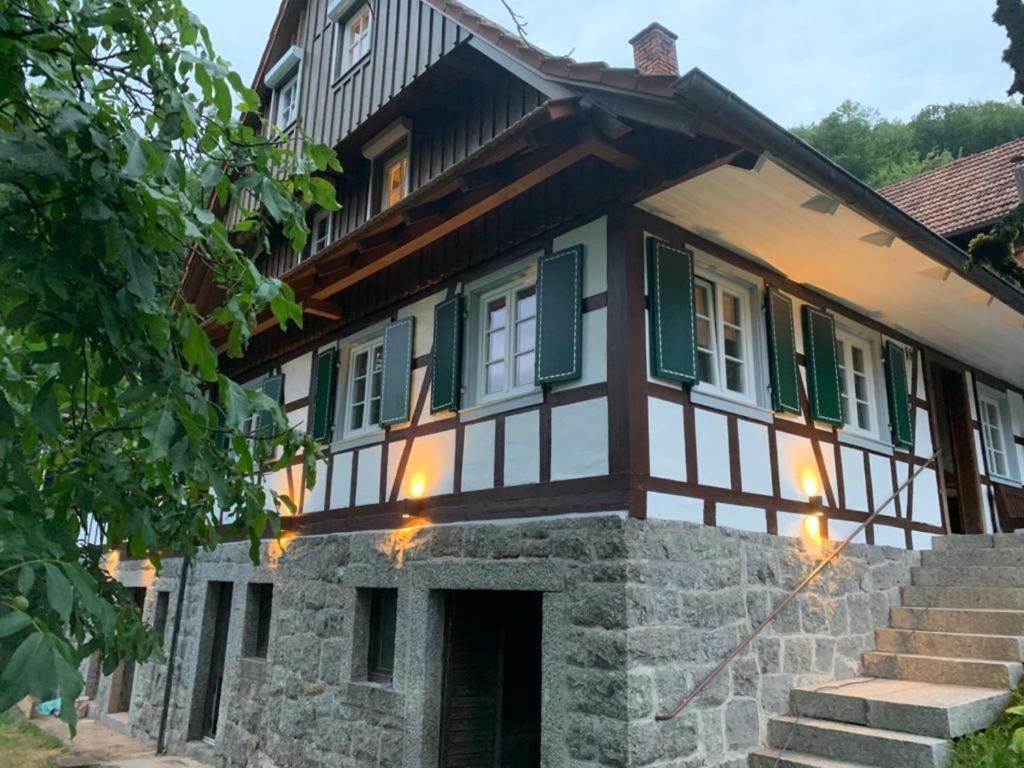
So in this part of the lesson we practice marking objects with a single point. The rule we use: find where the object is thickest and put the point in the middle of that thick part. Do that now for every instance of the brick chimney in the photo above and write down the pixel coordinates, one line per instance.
(654, 50)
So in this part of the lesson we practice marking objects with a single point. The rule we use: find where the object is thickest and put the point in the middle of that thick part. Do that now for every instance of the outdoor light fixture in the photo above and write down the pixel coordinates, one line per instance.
(812, 522)
(417, 489)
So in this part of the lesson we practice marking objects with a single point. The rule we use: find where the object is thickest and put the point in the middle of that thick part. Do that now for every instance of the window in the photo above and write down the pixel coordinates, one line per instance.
(380, 660)
(1000, 447)
(354, 40)
(163, 602)
(507, 339)
(723, 327)
(321, 232)
(286, 102)
(362, 401)
(856, 383)
(394, 178)
(257, 640)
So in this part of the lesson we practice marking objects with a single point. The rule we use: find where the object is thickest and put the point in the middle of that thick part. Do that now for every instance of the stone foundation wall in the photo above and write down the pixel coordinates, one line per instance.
(634, 613)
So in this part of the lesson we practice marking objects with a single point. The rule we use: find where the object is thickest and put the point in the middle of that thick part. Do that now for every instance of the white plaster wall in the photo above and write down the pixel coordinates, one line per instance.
(579, 439)
(755, 457)
(889, 536)
(594, 237)
(902, 473)
(423, 330)
(317, 495)
(743, 518)
(854, 479)
(368, 476)
(666, 439)
(922, 434)
(881, 482)
(394, 457)
(838, 530)
(790, 524)
(478, 456)
(926, 498)
(796, 457)
(341, 480)
(666, 506)
(297, 419)
(522, 448)
(921, 540)
(712, 432)
(922, 391)
(432, 456)
(296, 377)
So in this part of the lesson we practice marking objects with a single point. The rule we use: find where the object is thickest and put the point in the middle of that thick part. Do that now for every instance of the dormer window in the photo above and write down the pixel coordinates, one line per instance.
(395, 177)
(354, 32)
(284, 78)
(320, 235)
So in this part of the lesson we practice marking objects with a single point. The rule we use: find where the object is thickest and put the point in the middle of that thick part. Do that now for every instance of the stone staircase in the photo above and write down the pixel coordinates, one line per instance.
(943, 669)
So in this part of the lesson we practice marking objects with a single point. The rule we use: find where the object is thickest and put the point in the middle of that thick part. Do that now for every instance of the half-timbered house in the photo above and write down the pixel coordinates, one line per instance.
(595, 355)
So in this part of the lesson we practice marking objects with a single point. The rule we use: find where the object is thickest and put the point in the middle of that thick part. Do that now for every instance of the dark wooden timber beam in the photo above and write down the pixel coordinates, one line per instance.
(325, 309)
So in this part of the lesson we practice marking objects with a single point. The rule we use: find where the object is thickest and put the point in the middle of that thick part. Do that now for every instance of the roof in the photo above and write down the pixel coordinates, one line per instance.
(966, 195)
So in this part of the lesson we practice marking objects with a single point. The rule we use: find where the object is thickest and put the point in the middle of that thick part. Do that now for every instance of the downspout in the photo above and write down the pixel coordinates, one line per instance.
(161, 739)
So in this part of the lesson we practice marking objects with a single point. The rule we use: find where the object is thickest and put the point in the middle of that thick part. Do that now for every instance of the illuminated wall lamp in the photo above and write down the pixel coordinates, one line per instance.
(417, 490)
(812, 523)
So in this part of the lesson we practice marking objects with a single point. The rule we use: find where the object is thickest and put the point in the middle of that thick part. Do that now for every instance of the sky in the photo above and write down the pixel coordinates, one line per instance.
(795, 60)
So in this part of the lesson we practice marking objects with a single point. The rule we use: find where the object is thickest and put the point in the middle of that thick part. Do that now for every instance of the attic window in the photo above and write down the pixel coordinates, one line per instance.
(284, 78)
(354, 31)
(389, 156)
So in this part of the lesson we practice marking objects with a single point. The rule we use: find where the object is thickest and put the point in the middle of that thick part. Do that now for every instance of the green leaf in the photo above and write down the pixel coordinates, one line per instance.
(136, 165)
(13, 622)
(159, 431)
(279, 206)
(198, 351)
(26, 578)
(58, 591)
(44, 412)
(1017, 743)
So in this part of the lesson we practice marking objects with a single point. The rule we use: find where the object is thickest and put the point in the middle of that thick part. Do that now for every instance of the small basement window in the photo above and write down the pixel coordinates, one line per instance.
(261, 602)
(380, 660)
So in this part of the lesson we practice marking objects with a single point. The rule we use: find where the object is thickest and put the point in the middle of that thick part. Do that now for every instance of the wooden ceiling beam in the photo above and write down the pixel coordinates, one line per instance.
(318, 308)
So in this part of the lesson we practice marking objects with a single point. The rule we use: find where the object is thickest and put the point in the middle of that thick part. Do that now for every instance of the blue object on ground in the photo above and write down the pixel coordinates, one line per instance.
(48, 708)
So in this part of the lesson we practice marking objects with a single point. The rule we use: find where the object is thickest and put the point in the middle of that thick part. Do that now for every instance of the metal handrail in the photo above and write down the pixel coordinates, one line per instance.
(695, 692)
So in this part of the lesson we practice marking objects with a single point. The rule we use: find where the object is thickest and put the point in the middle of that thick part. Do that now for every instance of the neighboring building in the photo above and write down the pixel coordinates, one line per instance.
(584, 346)
(966, 197)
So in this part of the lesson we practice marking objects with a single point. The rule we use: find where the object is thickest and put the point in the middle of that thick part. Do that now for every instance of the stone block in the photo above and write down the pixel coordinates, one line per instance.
(742, 724)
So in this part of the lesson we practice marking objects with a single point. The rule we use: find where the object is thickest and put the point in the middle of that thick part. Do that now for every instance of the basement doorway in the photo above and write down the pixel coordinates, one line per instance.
(491, 696)
(951, 411)
(213, 645)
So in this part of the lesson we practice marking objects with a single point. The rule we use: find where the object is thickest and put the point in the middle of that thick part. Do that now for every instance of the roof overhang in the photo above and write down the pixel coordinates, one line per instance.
(774, 216)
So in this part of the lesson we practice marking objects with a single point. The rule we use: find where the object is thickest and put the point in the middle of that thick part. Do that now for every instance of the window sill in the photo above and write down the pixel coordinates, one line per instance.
(867, 443)
(1008, 481)
(358, 441)
(511, 403)
(724, 403)
(351, 68)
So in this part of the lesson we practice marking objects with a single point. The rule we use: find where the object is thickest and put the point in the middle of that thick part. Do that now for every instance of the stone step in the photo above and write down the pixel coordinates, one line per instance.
(967, 576)
(956, 557)
(1007, 598)
(950, 644)
(979, 541)
(927, 709)
(975, 673)
(769, 757)
(965, 620)
(871, 746)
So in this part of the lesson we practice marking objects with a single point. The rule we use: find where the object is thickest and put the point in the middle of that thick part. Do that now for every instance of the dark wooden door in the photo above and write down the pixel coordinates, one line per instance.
(490, 714)
(218, 651)
(951, 413)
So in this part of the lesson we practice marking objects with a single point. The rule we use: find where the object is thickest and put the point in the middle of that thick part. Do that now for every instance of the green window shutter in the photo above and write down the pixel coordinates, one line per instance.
(323, 397)
(673, 324)
(394, 400)
(822, 366)
(559, 321)
(898, 395)
(782, 353)
(272, 387)
(446, 356)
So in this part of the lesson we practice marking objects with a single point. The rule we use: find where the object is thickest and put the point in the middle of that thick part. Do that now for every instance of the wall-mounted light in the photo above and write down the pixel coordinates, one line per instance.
(417, 490)
(811, 486)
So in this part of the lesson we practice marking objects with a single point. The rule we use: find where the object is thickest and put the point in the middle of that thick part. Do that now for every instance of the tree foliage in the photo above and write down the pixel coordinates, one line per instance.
(114, 414)
(1009, 14)
(883, 151)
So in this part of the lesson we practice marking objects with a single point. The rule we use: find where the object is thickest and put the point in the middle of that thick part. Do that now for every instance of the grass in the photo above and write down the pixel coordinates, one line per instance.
(991, 748)
(24, 745)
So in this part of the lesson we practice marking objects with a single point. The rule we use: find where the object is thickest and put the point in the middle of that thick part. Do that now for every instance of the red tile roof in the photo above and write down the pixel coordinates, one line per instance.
(966, 195)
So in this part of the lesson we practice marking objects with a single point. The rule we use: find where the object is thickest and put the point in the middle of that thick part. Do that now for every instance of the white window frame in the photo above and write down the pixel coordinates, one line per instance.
(342, 59)
(477, 403)
(1006, 445)
(318, 218)
(847, 380)
(348, 431)
(295, 80)
(509, 291)
(753, 360)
